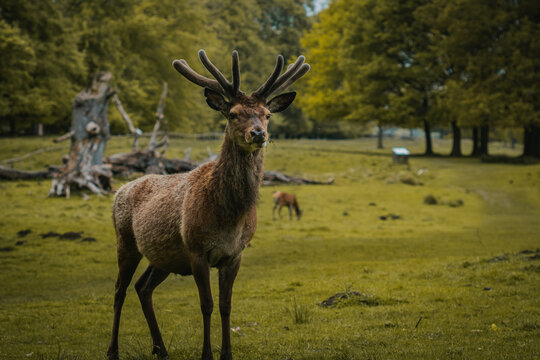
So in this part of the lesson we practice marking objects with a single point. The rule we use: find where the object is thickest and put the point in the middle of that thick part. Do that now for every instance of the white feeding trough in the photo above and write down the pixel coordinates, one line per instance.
(400, 155)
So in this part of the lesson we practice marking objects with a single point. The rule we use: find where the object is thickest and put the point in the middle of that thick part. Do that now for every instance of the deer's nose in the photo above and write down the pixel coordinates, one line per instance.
(258, 135)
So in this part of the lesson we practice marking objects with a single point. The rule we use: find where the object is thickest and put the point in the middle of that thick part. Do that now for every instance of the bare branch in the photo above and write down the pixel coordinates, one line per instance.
(64, 137)
(159, 121)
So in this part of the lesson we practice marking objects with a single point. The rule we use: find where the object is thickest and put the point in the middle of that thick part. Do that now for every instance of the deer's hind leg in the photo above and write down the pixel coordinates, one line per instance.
(128, 259)
(145, 286)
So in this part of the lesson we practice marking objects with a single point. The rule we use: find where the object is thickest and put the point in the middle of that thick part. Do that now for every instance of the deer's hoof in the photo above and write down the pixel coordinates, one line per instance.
(227, 356)
(112, 355)
(207, 356)
(161, 353)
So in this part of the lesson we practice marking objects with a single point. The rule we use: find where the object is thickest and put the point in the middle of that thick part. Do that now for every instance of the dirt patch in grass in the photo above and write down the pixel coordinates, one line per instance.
(70, 235)
(355, 298)
(50, 234)
(23, 233)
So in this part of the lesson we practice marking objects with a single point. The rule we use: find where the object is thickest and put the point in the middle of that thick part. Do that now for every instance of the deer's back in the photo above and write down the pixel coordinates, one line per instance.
(148, 214)
(284, 199)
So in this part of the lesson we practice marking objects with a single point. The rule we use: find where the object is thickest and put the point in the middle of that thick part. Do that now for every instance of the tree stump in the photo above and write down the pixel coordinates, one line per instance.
(89, 133)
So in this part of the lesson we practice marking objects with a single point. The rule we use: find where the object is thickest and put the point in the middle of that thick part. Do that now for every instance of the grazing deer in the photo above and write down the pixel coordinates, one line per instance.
(187, 223)
(282, 199)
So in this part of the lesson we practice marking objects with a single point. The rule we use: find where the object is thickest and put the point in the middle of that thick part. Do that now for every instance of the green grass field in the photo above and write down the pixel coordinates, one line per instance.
(455, 280)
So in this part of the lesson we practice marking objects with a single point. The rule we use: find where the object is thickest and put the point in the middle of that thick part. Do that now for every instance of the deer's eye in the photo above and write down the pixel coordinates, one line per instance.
(268, 116)
(233, 115)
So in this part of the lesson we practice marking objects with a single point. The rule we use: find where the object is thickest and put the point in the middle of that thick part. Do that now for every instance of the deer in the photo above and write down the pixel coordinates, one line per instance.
(191, 222)
(282, 199)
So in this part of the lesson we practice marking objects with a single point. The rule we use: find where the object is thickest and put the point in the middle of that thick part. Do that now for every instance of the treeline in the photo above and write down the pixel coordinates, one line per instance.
(459, 64)
(467, 65)
(49, 51)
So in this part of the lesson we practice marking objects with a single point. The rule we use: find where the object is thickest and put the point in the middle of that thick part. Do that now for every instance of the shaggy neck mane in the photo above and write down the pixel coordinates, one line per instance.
(235, 181)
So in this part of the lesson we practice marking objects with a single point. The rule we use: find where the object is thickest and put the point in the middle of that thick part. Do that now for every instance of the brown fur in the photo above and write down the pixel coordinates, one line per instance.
(187, 223)
(289, 200)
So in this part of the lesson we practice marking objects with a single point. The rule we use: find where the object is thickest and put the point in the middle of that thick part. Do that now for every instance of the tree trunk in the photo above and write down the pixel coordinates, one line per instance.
(379, 137)
(531, 141)
(456, 140)
(476, 142)
(12, 126)
(484, 139)
(84, 166)
(427, 131)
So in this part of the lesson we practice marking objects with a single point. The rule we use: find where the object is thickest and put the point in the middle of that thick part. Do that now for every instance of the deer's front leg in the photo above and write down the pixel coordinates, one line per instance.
(227, 274)
(290, 212)
(201, 273)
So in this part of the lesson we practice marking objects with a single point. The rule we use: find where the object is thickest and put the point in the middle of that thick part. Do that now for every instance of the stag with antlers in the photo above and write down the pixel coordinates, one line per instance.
(187, 223)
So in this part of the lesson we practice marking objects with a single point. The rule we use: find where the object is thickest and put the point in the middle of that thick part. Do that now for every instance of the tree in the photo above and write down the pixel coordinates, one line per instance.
(521, 73)
(45, 68)
(376, 65)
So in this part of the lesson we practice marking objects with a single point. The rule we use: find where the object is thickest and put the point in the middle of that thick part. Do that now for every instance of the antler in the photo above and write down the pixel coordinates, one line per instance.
(275, 84)
(221, 84)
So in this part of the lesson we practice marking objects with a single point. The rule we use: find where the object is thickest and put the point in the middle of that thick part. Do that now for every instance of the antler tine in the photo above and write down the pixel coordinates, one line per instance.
(292, 69)
(183, 68)
(297, 75)
(225, 84)
(235, 73)
(263, 91)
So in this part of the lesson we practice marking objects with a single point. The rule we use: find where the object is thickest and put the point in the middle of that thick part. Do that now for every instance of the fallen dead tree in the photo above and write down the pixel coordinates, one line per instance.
(13, 174)
(152, 162)
(274, 178)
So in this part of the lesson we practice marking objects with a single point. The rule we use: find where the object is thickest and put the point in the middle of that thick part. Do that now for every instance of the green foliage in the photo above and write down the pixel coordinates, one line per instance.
(44, 66)
(52, 47)
(398, 62)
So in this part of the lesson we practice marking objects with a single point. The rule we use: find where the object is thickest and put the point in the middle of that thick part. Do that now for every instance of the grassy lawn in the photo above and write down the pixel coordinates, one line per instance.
(455, 280)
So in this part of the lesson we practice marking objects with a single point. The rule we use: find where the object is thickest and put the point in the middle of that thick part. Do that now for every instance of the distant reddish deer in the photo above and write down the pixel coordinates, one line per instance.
(187, 223)
(282, 199)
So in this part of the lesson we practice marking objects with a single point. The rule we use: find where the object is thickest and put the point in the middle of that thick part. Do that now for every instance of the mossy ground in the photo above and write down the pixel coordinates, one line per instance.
(439, 282)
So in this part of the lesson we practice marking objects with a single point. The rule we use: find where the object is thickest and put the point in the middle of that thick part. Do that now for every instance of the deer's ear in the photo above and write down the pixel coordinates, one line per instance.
(215, 100)
(281, 102)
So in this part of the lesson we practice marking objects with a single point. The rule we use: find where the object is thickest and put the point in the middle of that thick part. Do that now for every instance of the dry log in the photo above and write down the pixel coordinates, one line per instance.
(12, 174)
(151, 162)
(274, 178)
(147, 162)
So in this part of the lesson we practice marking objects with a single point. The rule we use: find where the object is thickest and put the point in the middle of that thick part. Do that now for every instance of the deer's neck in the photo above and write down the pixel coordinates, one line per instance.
(235, 181)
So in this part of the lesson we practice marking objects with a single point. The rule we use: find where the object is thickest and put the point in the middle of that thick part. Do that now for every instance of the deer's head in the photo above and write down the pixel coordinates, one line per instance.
(247, 115)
